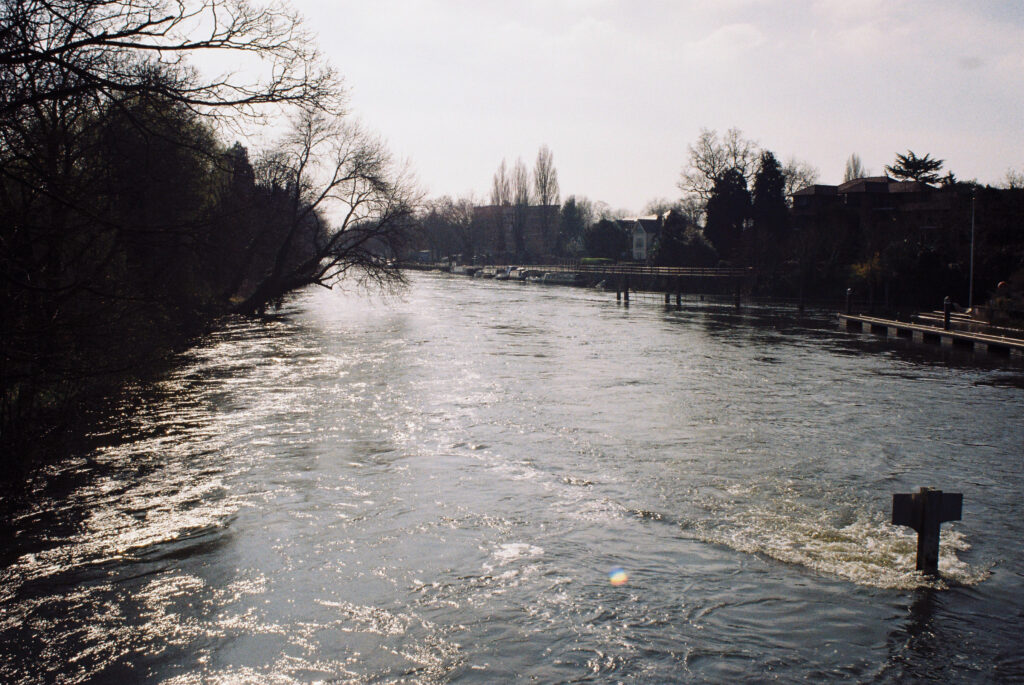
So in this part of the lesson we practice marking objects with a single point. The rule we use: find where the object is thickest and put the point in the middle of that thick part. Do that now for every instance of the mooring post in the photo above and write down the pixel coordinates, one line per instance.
(925, 511)
(947, 309)
(668, 299)
(679, 291)
(625, 291)
(849, 297)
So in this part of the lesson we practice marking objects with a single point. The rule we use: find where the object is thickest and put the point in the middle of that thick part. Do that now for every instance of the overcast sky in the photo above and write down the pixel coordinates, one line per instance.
(618, 89)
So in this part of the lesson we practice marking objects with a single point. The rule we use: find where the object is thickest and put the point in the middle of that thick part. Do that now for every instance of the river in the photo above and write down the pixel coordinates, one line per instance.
(440, 487)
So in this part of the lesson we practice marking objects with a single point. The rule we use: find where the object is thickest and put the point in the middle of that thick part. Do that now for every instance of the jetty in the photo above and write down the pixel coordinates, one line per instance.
(621, 278)
(936, 334)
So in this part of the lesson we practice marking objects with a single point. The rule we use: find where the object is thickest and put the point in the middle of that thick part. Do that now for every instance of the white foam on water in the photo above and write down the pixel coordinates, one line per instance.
(512, 551)
(863, 547)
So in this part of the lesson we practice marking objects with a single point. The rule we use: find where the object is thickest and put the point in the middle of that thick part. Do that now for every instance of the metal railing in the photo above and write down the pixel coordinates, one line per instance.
(643, 270)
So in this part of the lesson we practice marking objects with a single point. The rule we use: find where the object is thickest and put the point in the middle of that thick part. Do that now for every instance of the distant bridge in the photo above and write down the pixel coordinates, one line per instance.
(623, 278)
(639, 270)
(653, 272)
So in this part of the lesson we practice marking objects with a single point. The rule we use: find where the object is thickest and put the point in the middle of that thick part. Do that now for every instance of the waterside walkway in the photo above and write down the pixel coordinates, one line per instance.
(981, 342)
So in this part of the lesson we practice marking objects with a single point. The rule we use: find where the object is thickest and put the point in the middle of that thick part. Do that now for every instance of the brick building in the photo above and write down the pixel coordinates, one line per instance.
(509, 234)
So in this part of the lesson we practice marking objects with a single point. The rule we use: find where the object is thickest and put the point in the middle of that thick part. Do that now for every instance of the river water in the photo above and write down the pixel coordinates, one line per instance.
(436, 488)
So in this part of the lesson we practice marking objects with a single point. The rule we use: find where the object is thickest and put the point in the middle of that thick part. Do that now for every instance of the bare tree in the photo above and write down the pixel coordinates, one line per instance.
(661, 206)
(545, 178)
(854, 168)
(1014, 179)
(460, 217)
(55, 49)
(521, 195)
(797, 175)
(448, 226)
(350, 209)
(545, 183)
(501, 186)
(711, 157)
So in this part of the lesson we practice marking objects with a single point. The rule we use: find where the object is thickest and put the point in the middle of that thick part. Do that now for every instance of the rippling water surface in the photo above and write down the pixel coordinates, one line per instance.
(435, 489)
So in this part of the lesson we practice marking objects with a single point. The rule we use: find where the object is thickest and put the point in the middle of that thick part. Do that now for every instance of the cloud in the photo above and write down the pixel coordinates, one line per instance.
(617, 84)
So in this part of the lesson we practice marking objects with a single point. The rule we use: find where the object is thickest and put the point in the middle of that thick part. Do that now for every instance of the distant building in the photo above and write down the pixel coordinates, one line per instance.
(643, 232)
(508, 233)
(868, 213)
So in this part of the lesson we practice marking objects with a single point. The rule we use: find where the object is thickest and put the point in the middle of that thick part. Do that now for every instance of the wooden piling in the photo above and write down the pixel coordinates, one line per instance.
(925, 511)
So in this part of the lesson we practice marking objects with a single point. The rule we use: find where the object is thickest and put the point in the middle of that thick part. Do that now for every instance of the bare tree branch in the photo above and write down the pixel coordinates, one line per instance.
(109, 46)
(351, 209)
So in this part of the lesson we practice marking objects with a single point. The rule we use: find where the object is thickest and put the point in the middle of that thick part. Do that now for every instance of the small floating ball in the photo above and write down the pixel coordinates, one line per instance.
(617, 576)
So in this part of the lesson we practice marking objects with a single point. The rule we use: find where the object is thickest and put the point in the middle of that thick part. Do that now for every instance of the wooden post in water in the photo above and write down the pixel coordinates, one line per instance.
(679, 291)
(924, 511)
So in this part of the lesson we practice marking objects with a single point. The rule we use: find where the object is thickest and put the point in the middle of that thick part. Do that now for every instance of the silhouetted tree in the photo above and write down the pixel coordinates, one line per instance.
(681, 244)
(521, 197)
(545, 178)
(728, 209)
(770, 230)
(913, 168)
(661, 206)
(52, 50)
(106, 211)
(573, 220)
(501, 186)
(545, 184)
(125, 224)
(854, 168)
(712, 157)
(347, 210)
(448, 227)
(606, 239)
(797, 175)
(1013, 180)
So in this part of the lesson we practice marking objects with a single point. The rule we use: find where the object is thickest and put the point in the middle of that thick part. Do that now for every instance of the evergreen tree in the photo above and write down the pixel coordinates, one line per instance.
(606, 239)
(910, 167)
(770, 214)
(571, 226)
(681, 244)
(728, 208)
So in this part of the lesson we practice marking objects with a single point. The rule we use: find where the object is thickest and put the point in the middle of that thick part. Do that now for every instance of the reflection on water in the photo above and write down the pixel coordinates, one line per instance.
(437, 489)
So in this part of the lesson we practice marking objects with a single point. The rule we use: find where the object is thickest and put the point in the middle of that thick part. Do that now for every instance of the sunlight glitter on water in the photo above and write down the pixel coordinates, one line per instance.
(435, 491)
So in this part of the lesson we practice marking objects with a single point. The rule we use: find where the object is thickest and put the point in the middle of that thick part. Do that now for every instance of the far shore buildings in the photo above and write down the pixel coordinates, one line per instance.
(870, 211)
(511, 233)
(861, 216)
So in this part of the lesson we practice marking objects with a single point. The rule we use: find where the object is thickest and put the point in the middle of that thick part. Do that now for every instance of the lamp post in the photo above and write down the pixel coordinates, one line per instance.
(970, 290)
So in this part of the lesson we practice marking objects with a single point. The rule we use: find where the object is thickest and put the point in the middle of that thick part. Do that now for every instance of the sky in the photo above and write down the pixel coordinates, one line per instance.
(619, 89)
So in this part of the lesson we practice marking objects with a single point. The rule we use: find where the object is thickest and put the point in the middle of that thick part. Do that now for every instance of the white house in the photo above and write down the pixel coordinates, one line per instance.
(643, 232)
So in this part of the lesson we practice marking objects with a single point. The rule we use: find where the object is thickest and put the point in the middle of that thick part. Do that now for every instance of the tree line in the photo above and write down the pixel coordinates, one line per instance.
(129, 223)
(736, 209)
